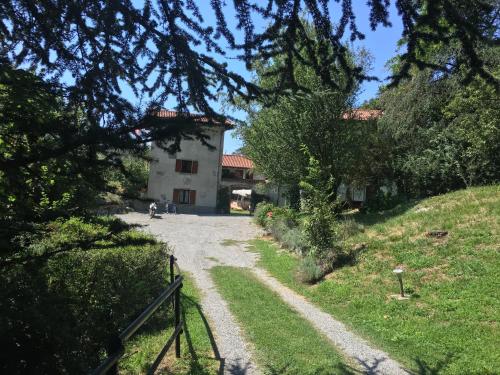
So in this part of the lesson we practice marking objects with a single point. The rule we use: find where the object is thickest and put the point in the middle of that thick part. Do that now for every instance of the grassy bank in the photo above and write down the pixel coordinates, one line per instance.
(285, 342)
(197, 355)
(450, 323)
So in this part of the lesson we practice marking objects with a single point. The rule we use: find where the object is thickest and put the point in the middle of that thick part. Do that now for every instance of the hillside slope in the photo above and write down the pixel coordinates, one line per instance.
(450, 323)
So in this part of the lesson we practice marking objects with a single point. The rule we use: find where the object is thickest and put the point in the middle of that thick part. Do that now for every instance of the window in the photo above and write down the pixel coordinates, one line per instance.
(182, 196)
(186, 166)
(358, 194)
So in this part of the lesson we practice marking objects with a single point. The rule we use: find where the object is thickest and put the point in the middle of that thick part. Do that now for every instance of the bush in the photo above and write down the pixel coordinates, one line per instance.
(63, 308)
(348, 227)
(277, 227)
(283, 224)
(309, 271)
(286, 214)
(261, 211)
(294, 239)
(318, 231)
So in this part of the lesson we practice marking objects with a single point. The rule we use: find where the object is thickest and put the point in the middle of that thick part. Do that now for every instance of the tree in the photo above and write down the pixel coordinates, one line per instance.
(132, 179)
(34, 120)
(163, 49)
(88, 52)
(281, 136)
(446, 135)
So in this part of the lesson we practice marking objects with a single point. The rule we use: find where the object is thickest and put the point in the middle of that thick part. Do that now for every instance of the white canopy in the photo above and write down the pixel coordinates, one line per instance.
(243, 192)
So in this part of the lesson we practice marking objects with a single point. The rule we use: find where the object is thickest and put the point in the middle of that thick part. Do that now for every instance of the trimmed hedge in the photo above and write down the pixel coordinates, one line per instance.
(59, 311)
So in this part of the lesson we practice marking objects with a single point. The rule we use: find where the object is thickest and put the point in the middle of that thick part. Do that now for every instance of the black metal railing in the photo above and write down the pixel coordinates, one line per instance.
(116, 347)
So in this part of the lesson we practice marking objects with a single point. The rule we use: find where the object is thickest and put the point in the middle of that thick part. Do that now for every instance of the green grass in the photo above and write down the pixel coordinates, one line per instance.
(240, 212)
(285, 343)
(197, 355)
(450, 324)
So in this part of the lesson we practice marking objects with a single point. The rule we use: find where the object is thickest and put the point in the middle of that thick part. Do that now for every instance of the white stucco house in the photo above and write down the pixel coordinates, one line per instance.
(190, 178)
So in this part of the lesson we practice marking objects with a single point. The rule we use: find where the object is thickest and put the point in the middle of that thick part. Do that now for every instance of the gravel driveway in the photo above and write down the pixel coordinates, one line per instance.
(201, 242)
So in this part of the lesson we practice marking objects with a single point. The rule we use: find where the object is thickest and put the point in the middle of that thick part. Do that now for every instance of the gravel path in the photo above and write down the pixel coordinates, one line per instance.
(197, 242)
(200, 242)
(370, 360)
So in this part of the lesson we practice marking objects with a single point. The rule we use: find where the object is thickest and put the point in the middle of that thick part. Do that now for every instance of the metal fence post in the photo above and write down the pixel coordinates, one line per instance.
(172, 261)
(178, 318)
(114, 345)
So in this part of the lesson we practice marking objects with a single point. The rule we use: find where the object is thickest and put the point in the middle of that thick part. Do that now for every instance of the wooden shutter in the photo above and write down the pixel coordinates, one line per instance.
(176, 196)
(192, 197)
(178, 165)
(194, 168)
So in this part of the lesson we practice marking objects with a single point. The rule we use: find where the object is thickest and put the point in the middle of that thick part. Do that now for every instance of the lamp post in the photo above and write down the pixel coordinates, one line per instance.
(399, 274)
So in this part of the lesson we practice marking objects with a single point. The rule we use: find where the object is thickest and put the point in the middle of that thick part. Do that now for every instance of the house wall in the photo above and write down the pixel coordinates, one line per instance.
(163, 178)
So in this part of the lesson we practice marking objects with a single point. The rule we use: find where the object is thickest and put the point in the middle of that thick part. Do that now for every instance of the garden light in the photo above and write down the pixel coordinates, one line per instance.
(399, 274)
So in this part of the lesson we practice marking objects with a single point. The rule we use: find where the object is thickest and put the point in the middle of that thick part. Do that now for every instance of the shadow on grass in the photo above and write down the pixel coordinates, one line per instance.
(339, 369)
(365, 368)
(195, 366)
(425, 369)
(372, 218)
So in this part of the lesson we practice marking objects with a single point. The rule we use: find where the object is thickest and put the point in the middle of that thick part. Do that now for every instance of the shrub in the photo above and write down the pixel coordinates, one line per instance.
(63, 308)
(294, 239)
(318, 230)
(287, 214)
(309, 271)
(261, 211)
(277, 227)
(348, 227)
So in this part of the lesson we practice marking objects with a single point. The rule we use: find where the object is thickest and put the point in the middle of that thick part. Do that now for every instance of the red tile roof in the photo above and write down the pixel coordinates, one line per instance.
(165, 113)
(362, 114)
(236, 161)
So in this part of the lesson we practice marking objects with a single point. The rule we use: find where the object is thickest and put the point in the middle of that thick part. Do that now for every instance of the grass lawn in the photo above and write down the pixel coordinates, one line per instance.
(284, 341)
(197, 356)
(240, 212)
(450, 324)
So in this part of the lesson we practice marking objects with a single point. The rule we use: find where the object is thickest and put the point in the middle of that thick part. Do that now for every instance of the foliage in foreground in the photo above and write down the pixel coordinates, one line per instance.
(33, 121)
(78, 283)
(46, 171)
(285, 342)
(159, 50)
(450, 323)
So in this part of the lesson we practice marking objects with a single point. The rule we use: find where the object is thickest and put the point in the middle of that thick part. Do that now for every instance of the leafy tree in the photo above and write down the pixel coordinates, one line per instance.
(132, 177)
(163, 49)
(34, 120)
(318, 192)
(446, 135)
(88, 52)
(320, 121)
